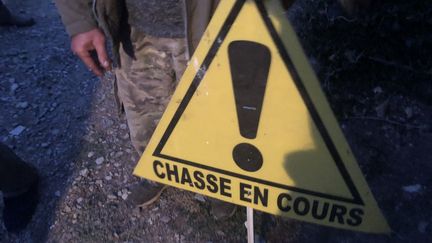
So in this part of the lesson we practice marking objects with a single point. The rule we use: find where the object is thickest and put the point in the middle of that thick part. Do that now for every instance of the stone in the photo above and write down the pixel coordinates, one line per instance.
(165, 219)
(22, 105)
(99, 160)
(377, 90)
(55, 131)
(199, 197)
(99, 183)
(90, 154)
(14, 87)
(17, 130)
(412, 188)
(84, 172)
(422, 226)
(67, 209)
(409, 112)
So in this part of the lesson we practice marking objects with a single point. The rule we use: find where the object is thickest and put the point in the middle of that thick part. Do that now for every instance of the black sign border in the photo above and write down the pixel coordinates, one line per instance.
(303, 92)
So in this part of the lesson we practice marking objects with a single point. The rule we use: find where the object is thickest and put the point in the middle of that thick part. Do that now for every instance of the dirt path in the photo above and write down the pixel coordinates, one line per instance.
(74, 136)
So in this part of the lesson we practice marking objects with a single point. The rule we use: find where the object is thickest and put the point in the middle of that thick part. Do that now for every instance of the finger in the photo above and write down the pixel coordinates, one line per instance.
(88, 61)
(99, 45)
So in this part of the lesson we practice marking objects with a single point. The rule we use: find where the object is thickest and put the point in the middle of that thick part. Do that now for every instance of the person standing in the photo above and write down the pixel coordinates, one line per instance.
(151, 46)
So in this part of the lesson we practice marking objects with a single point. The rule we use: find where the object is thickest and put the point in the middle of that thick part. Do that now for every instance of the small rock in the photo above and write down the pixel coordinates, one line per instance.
(22, 105)
(199, 197)
(422, 226)
(165, 219)
(382, 109)
(112, 197)
(122, 194)
(67, 209)
(57, 194)
(123, 126)
(108, 178)
(84, 172)
(79, 200)
(118, 154)
(44, 145)
(377, 90)
(13, 87)
(99, 160)
(408, 112)
(90, 154)
(17, 130)
(351, 55)
(55, 131)
(117, 164)
(412, 188)
(99, 182)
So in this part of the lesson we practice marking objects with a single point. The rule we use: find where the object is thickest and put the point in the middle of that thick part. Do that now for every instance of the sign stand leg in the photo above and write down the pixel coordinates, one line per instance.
(250, 225)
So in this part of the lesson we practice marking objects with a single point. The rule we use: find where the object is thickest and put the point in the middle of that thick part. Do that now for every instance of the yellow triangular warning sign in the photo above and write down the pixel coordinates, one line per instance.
(249, 124)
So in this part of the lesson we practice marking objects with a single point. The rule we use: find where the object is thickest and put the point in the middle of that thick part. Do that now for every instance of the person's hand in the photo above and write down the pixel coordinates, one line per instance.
(84, 43)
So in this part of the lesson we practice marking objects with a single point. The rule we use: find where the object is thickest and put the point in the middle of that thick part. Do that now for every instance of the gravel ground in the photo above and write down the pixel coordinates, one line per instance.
(45, 97)
(375, 69)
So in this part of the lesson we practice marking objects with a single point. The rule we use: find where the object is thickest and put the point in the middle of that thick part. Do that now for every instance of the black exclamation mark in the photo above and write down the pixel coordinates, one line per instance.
(250, 63)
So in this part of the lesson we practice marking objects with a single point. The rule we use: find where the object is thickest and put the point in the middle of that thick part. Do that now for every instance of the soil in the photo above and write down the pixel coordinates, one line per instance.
(375, 68)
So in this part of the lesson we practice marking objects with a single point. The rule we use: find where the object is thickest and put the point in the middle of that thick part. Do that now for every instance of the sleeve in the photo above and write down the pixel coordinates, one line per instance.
(77, 15)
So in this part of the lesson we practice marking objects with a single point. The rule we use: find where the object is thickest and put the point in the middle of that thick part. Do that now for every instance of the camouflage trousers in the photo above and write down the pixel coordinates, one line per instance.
(145, 83)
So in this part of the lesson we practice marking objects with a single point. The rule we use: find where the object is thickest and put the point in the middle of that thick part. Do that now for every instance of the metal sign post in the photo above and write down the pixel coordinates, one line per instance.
(250, 224)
